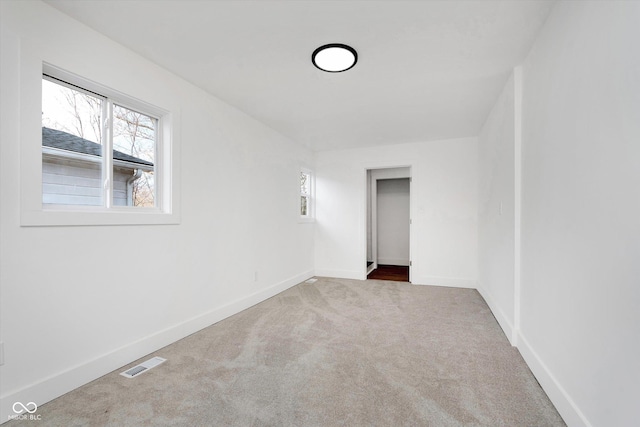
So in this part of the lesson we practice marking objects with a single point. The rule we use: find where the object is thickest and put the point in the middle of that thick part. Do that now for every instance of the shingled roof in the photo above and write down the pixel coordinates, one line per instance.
(65, 141)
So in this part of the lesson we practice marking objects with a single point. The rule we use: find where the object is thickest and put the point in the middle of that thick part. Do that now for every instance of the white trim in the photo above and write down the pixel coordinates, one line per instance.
(70, 155)
(167, 161)
(517, 208)
(503, 319)
(107, 155)
(373, 197)
(371, 267)
(342, 274)
(385, 172)
(63, 382)
(565, 405)
(119, 98)
(448, 282)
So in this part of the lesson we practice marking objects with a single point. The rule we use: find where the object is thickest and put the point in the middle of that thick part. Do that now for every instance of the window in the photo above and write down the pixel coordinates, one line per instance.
(91, 154)
(101, 157)
(305, 194)
(95, 150)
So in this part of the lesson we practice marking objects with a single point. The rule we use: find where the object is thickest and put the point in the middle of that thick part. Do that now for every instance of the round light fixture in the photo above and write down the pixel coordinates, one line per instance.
(334, 57)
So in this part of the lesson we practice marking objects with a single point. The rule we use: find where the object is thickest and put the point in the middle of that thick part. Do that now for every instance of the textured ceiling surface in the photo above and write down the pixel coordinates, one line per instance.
(426, 69)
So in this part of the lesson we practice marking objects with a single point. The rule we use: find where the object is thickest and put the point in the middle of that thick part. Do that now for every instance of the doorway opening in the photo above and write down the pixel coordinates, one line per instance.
(389, 224)
(396, 273)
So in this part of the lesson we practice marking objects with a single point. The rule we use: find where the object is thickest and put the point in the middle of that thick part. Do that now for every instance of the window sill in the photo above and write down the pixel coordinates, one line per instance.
(306, 220)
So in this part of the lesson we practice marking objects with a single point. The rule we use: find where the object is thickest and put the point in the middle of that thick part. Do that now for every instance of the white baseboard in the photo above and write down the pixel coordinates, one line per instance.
(567, 408)
(58, 384)
(342, 274)
(449, 282)
(504, 322)
(393, 261)
(371, 268)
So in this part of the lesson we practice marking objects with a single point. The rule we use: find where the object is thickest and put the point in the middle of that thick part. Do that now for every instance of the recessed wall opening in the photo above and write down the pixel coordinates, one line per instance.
(389, 224)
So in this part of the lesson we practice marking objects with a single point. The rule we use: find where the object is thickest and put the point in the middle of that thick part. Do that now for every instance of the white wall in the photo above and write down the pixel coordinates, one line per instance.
(580, 296)
(67, 316)
(579, 304)
(443, 204)
(496, 209)
(581, 207)
(393, 221)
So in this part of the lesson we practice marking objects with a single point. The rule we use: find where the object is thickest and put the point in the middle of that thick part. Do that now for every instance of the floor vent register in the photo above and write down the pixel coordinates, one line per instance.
(143, 367)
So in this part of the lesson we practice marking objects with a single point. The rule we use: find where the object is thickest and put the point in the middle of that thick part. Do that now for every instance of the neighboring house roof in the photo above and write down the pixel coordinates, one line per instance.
(65, 141)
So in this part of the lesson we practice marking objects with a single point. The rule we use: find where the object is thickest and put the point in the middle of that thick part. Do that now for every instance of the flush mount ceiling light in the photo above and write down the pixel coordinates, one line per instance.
(334, 57)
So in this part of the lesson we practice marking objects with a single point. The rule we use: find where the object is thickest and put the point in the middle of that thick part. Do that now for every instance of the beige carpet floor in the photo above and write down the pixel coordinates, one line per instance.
(333, 353)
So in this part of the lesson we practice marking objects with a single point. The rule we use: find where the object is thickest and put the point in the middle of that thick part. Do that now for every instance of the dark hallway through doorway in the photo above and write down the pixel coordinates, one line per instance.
(396, 273)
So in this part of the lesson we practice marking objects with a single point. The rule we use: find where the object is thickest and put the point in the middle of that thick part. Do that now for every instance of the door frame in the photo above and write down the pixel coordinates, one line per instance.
(378, 173)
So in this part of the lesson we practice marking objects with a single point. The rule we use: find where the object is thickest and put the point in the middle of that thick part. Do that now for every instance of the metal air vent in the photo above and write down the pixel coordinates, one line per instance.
(143, 367)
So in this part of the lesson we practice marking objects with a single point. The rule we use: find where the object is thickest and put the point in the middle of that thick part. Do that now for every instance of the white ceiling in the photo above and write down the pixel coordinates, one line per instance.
(426, 69)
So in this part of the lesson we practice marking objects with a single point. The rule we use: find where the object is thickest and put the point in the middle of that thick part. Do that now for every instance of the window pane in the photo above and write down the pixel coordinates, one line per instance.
(134, 152)
(304, 183)
(304, 205)
(71, 146)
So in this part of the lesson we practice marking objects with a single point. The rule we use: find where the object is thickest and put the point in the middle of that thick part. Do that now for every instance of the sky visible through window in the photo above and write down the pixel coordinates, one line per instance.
(71, 111)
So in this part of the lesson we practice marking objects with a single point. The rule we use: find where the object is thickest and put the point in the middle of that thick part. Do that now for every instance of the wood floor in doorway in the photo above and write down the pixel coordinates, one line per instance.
(396, 273)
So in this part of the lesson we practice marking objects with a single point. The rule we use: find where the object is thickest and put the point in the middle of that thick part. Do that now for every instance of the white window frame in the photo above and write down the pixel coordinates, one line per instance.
(107, 161)
(34, 213)
(309, 217)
